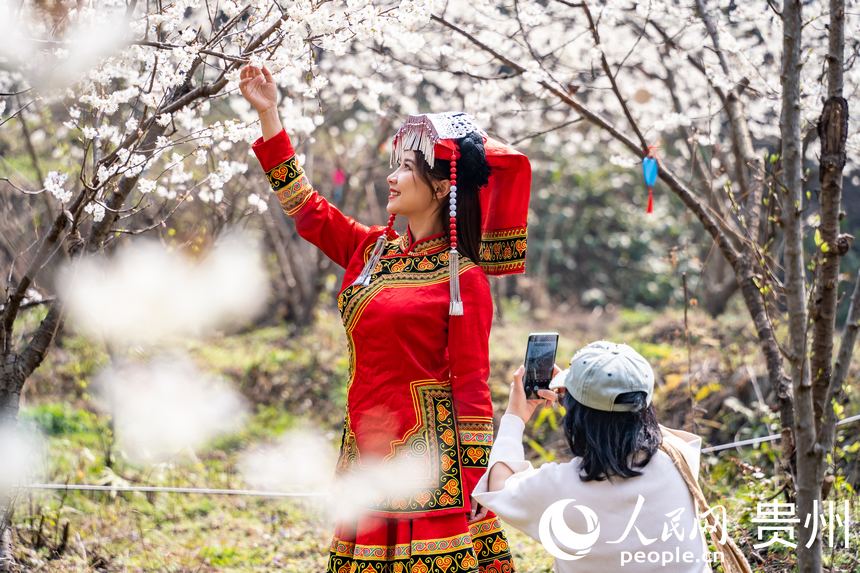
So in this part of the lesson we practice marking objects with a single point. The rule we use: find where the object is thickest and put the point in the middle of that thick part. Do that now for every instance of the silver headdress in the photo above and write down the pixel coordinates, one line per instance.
(423, 132)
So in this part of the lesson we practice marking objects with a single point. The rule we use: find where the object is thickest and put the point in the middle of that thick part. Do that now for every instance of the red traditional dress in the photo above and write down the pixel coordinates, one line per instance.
(417, 385)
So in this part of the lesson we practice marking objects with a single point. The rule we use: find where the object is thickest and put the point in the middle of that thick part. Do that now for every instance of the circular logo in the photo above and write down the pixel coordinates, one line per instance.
(571, 545)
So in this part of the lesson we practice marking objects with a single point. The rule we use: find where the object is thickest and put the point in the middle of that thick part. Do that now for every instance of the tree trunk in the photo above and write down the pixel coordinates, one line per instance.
(11, 382)
(718, 284)
(833, 134)
(7, 560)
(840, 371)
(806, 484)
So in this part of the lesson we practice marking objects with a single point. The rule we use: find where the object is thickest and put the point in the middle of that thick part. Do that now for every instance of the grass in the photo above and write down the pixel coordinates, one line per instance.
(296, 378)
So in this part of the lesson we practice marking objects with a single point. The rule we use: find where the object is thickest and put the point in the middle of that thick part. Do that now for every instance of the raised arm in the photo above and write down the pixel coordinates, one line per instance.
(317, 220)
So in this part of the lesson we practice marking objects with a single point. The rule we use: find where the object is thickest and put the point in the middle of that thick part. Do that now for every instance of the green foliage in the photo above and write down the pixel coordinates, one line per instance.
(267, 422)
(636, 317)
(69, 367)
(221, 556)
(58, 419)
(283, 367)
(654, 351)
(600, 245)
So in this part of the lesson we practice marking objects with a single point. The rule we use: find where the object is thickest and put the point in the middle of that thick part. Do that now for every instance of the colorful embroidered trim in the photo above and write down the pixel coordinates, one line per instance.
(421, 247)
(289, 183)
(476, 440)
(348, 447)
(504, 252)
(393, 271)
(436, 442)
(484, 549)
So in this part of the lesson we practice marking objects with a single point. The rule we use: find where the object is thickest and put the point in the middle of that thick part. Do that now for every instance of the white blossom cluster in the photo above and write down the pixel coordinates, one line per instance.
(258, 203)
(54, 184)
(378, 60)
(95, 209)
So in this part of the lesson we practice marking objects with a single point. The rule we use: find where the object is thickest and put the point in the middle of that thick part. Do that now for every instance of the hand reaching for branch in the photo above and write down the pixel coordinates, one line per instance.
(260, 90)
(258, 87)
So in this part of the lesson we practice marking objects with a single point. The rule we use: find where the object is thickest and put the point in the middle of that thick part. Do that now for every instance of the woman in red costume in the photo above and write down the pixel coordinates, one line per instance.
(417, 311)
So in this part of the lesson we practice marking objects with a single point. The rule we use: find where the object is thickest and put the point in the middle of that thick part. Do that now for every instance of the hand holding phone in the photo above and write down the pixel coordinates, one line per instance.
(539, 363)
(520, 405)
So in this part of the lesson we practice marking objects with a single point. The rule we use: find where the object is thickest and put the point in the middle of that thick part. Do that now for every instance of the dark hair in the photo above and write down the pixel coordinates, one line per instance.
(473, 172)
(612, 443)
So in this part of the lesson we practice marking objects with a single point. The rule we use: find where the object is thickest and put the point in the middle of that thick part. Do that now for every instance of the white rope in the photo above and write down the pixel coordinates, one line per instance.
(770, 438)
(263, 493)
(165, 489)
(739, 443)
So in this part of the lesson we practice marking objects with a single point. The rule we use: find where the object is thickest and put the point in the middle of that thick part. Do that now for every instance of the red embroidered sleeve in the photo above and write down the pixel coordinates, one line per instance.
(469, 357)
(317, 220)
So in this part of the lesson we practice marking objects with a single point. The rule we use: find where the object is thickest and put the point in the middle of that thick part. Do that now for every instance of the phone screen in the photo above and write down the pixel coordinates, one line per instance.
(540, 359)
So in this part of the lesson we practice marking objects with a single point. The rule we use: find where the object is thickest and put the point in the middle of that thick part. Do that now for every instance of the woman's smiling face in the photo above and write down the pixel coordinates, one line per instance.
(408, 194)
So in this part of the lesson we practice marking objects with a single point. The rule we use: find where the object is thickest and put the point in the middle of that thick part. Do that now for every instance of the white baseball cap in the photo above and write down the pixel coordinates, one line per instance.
(602, 370)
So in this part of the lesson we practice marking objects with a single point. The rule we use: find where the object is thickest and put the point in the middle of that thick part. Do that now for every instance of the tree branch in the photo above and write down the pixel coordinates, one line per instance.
(747, 162)
(840, 370)
(605, 65)
(36, 350)
(833, 135)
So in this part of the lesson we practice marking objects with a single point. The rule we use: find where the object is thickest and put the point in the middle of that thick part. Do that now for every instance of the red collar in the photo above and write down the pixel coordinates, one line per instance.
(410, 246)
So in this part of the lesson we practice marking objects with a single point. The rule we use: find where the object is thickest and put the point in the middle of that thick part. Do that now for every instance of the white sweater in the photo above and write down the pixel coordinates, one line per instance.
(592, 529)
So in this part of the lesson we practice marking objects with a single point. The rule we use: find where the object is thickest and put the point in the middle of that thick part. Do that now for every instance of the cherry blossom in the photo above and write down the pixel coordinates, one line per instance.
(53, 184)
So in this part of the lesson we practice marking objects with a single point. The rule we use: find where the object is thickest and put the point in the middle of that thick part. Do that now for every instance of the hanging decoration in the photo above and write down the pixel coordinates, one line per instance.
(649, 172)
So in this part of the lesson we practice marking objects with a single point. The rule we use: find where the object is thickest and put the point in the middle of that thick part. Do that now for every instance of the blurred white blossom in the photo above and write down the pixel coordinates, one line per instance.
(145, 185)
(22, 449)
(255, 200)
(304, 461)
(52, 62)
(166, 407)
(300, 461)
(146, 294)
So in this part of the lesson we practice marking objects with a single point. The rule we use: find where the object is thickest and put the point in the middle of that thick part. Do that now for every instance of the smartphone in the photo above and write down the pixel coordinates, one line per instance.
(540, 360)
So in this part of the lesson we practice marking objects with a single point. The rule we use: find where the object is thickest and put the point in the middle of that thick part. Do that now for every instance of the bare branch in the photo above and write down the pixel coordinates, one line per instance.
(17, 112)
(702, 212)
(160, 223)
(21, 189)
(35, 351)
(33, 303)
(208, 52)
(45, 251)
(747, 162)
(605, 65)
(840, 370)
(545, 131)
